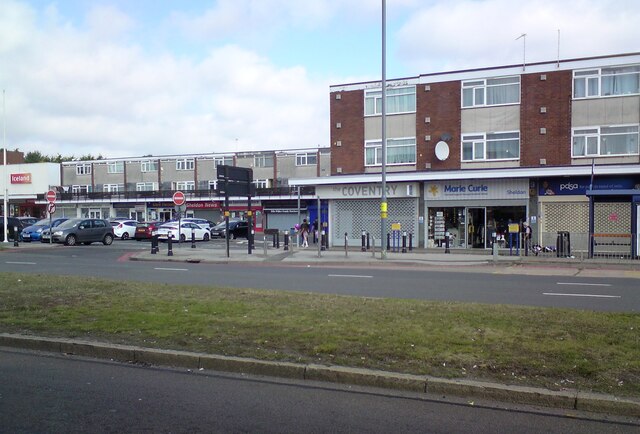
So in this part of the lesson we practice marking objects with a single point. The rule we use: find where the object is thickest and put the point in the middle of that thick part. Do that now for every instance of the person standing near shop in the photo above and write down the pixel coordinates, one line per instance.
(304, 230)
(526, 228)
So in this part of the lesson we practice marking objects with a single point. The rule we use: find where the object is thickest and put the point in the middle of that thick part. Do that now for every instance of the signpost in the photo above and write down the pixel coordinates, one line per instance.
(51, 196)
(178, 198)
(181, 206)
(51, 209)
(236, 181)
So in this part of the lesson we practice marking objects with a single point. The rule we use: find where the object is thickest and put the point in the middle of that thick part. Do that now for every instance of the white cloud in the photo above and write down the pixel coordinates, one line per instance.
(471, 33)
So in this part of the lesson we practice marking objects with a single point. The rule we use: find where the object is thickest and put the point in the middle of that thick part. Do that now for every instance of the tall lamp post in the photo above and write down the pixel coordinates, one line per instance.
(383, 198)
(6, 186)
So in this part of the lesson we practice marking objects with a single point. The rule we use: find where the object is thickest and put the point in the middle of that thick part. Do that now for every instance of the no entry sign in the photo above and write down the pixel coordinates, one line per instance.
(51, 196)
(178, 198)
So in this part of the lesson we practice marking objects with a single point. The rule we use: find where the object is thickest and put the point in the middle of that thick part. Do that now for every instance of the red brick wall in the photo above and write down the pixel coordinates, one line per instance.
(13, 157)
(442, 104)
(349, 112)
(554, 93)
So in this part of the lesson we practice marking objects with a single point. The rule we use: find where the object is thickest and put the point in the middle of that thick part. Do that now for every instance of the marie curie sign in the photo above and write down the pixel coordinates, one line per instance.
(477, 189)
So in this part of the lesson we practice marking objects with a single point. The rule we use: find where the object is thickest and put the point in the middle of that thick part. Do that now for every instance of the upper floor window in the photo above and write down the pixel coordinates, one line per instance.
(263, 161)
(83, 169)
(185, 185)
(112, 188)
(491, 146)
(146, 186)
(223, 161)
(80, 189)
(185, 164)
(115, 167)
(213, 185)
(149, 166)
(306, 159)
(605, 141)
(399, 151)
(261, 183)
(491, 91)
(613, 81)
(399, 100)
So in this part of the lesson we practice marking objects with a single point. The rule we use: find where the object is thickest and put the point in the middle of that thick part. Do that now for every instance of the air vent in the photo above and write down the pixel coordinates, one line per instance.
(543, 161)
(543, 130)
(338, 96)
(543, 109)
(427, 120)
(339, 143)
(543, 77)
(338, 169)
(338, 125)
(427, 165)
(427, 88)
(427, 138)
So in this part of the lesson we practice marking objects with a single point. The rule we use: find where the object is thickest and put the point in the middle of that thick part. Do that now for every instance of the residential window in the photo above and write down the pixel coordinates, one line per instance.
(112, 188)
(491, 146)
(213, 185)
(149, 166)
(399, 151)
(612, 81)
(399, 100)
(263, 161)
(83, 169)
(223, 161)
(146, 186)
(115, 167)
(80, 189)
(491, 91)
(605, 141)
(261, 183)
(307, 159)
(185, 185)
(185, 164)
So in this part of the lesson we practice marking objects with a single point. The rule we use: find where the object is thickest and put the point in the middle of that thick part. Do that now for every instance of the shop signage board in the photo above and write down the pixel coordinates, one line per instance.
(477, 189)
(367, 191)
(578, 185)
(21, 178)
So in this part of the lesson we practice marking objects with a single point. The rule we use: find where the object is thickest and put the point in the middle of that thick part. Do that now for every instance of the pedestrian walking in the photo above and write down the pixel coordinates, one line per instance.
(304, 231)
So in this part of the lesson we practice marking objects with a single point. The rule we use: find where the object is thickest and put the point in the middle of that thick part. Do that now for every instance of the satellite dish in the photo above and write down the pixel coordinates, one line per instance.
(442, 150)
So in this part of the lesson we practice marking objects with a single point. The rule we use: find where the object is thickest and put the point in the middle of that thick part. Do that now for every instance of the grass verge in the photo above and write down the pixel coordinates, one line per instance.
(553, 348)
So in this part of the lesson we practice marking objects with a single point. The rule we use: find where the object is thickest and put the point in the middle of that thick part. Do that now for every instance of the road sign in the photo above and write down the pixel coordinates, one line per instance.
(51, 196)
(51, 208)
(178, 198)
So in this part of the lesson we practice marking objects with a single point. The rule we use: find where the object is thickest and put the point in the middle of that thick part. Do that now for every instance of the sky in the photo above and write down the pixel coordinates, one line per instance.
(126, 78)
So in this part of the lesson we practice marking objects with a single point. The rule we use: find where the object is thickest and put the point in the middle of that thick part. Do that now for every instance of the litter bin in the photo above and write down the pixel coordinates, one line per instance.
(563, 244)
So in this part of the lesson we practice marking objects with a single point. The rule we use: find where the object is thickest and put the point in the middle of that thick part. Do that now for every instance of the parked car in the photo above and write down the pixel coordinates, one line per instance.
(15, 222)
(207, 224)
(34, 232)
(124, 229)
(144, 230)
(184, 233)
(85, 231)
(237, 228)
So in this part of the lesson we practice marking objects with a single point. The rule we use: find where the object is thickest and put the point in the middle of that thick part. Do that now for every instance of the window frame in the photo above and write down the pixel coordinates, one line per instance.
(149, 166)
(261, 183)
(377, 100)
(184, 185)
(115, 167)
(601, 74)
(483, 85)
(480, 139)
(185, 164)
(112, 188)
(141, 186)
(596, 131)
(81, 189)
(223, 161)
(303, 158)
(376, 145)
(263, 160)
(83, 168)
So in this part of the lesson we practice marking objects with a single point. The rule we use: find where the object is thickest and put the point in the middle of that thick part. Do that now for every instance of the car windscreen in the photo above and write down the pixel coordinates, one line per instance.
(69, 223)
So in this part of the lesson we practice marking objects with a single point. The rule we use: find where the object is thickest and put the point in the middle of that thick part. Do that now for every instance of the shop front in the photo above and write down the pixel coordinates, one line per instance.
(354, 208)
(473, 212)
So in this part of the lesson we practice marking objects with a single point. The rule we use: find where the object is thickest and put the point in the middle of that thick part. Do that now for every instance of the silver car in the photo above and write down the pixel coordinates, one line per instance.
(85, 231)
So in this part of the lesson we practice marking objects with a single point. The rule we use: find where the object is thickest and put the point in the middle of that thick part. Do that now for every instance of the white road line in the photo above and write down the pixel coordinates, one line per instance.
(582, 295)
(583, 284)
(350, 275)
(171, 269)
(21, 263)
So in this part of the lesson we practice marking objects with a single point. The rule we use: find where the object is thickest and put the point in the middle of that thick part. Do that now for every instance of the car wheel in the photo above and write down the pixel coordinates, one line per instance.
(183, 238)
(125, 236)
(108, 239)
(71, 240)
(205, 237)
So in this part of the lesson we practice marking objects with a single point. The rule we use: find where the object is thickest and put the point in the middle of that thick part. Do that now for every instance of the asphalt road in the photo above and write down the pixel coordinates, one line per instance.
(600, 294)
(45, 393)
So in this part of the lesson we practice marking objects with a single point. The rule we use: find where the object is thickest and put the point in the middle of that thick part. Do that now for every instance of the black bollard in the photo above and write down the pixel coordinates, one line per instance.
(169, 244)
(273, 239)
(404, 242)
(364, 239)
(411, 242)
(193, 238)
(388, 241)
(16, 235)
(446, 243)
(154, 243)
(368, 241)
(286, 240)
(323, 240)
(278, 240)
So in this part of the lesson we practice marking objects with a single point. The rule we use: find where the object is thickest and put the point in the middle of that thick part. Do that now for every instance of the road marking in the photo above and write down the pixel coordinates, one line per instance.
(350, 275)
(583, 284)
(21, 263)
(582, 295)
(171, 269)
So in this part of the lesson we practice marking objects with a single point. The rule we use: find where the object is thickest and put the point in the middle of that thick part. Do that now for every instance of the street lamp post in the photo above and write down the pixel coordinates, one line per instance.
(6, 185)
(383, 198)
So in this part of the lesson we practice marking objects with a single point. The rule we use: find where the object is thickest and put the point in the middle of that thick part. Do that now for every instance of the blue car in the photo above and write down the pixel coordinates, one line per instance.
(34, 232)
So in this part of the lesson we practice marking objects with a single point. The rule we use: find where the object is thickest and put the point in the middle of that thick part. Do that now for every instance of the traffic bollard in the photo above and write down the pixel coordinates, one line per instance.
(154, 243)
(404, 242)
(346, 244)
(286, 240)
(446, 243)
(323, 240)
(411, 242)
(193, 238)
(15, 236)
(368, 241)
(364, 238)
(169, 244)
(388, 241)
